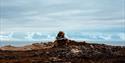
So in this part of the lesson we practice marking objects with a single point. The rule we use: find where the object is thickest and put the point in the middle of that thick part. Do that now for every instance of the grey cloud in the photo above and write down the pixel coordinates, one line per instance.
(59, 14)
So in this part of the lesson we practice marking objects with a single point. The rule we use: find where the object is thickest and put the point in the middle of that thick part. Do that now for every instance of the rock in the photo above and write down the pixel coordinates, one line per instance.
(60, 40)
(8, 57)
(54, 59)
(64, 51)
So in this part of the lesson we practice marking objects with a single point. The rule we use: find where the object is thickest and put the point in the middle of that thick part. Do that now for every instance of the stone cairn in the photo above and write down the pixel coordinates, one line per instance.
(60, 39)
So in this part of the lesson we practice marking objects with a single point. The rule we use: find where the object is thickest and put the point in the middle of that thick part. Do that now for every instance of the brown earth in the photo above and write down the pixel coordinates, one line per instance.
(72, 52)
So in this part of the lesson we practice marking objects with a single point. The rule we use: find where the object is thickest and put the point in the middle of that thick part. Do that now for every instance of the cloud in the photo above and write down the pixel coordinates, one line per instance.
(6, 39)
(40, 36)
(71, 12)
(23, 20)
(122, 36)
(6, 36)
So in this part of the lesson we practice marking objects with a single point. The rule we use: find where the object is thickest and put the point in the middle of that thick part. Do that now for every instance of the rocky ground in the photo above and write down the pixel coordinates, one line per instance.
(73, 52)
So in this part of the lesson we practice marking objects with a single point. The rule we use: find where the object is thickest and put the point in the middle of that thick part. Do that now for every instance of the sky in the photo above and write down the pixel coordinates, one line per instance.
(80, 19)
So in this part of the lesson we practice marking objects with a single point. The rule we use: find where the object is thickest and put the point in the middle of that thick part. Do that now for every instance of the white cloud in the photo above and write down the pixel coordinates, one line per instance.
(72, 12)
(56, 2)
(122, 36)
(5, 36)
(2, 33)
(39, 36)
(6, 39)
(107, 38)
(102, 20)
(30, 13)
(55, 15)
(65, 13)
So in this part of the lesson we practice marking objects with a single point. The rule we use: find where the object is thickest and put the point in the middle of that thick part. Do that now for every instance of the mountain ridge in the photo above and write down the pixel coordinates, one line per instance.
(70, 52)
